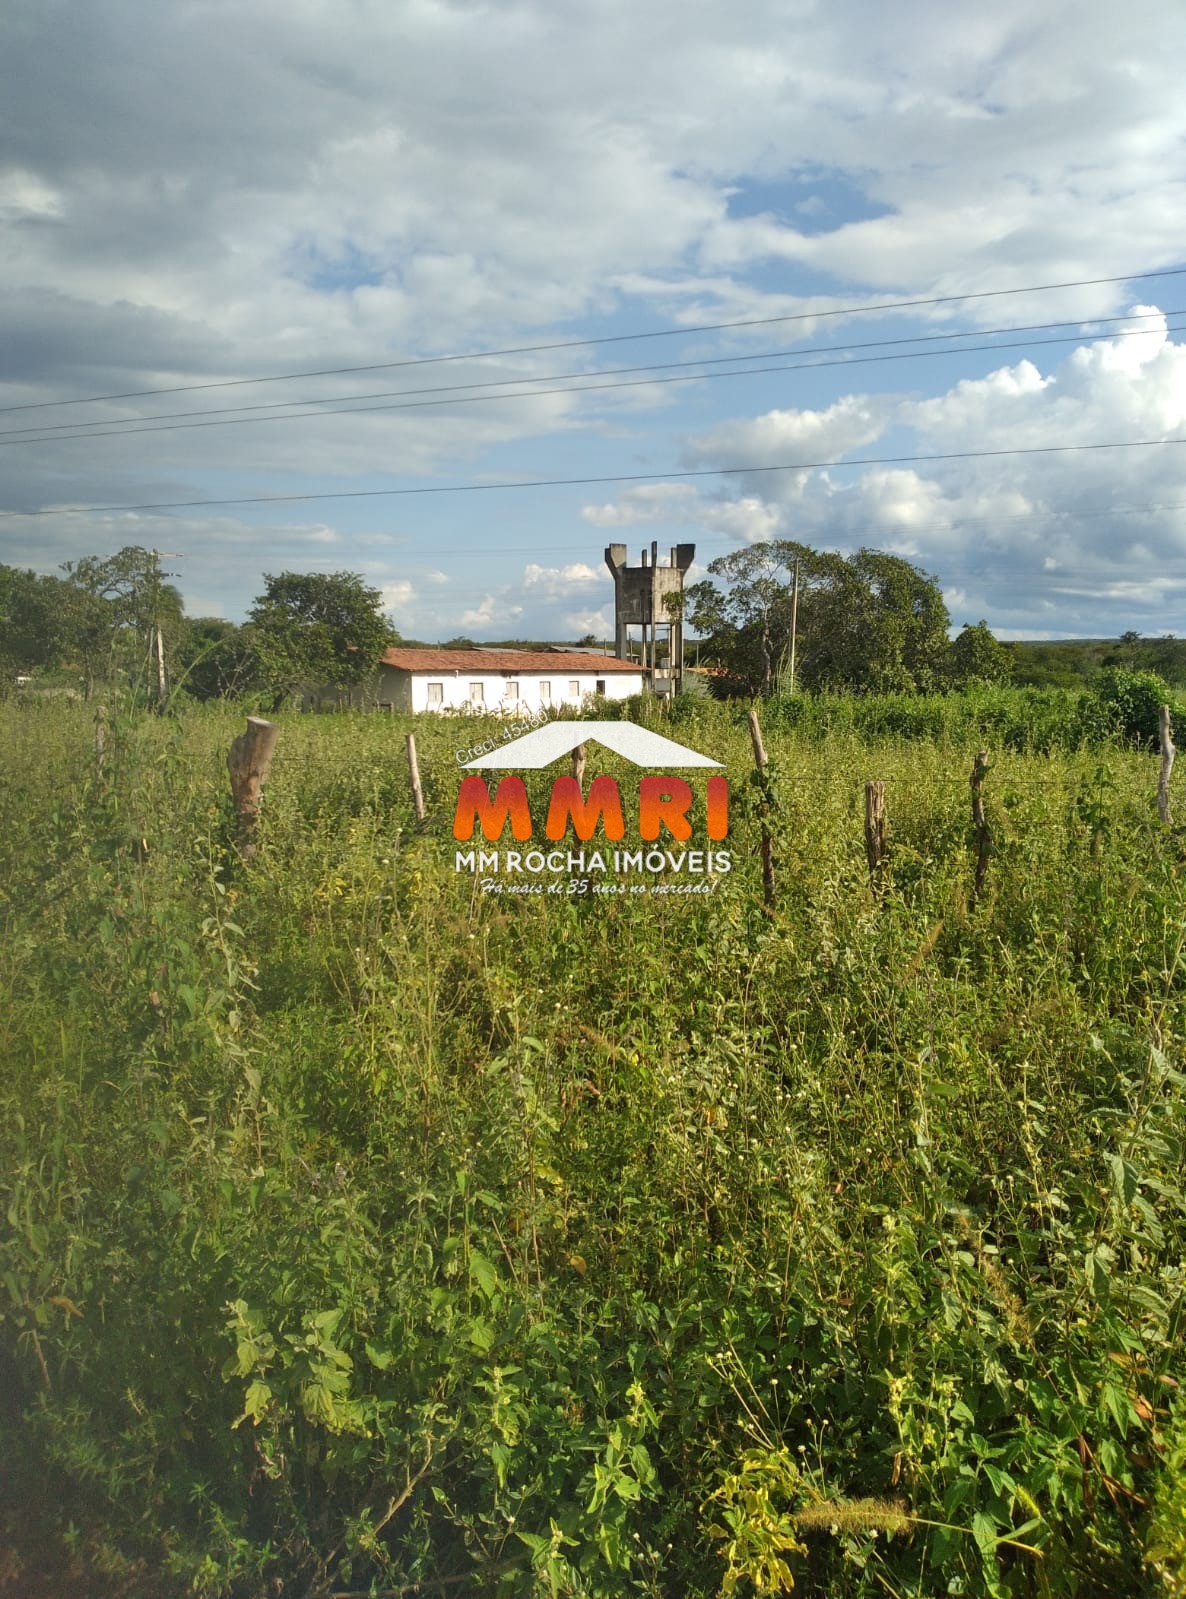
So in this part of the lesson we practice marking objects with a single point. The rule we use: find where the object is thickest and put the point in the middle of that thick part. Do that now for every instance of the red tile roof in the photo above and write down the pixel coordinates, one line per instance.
(511, 663)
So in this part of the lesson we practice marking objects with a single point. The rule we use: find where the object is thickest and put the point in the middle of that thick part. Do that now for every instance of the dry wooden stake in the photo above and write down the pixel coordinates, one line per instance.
(100, 739)
(579, 756)
(875, 829)
(248, 761)
(983, 835)
(755, 733)
(1168, 751)
(414, 769)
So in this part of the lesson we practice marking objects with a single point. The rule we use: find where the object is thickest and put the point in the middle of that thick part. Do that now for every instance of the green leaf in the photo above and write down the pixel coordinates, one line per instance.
(1125, 1179)
(482, 1273)
(481, 1334)
(984, 1530)
(1117, 1406)
(256, 1399)
(1097, 1270)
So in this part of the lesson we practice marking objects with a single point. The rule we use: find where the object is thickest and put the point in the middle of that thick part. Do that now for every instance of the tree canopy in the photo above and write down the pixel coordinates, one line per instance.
(868, 621)
(978, 657)
(317, 628)
(99, 618)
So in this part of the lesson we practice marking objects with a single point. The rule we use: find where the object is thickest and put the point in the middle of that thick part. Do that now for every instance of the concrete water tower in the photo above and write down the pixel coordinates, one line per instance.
(641, 596)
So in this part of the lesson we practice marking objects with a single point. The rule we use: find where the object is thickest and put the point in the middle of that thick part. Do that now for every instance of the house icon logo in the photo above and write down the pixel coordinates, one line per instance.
(540, 748)
(665, 804)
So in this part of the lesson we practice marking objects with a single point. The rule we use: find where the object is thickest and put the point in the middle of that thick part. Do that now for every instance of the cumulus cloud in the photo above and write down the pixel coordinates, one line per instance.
(787, 436)
(555, 580)
(397, 599)
(650, 502)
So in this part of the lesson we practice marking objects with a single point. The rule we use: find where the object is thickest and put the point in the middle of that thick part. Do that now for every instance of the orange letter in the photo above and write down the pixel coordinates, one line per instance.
(718, 807)
(666, 800)
(567, 801)
(475, 805)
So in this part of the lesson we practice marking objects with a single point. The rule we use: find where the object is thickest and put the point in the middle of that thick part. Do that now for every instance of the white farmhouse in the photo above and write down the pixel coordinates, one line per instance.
(501, 680)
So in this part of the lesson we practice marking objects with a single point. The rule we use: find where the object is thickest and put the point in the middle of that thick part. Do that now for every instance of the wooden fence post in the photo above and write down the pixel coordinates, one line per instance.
(1168, 751)
(414, 770)
(767, 847)
(983, 835)
(875, 829)
(100, 739)
(579, 756)
(248, 761)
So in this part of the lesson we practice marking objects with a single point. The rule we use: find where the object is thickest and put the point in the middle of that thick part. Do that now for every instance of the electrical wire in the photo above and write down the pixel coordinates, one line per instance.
(112, 426)
(613, 338)
(552, 548)
(586, 482)
(124, 431)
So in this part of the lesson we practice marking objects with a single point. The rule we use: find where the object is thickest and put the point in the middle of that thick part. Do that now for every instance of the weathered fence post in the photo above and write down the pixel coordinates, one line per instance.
(875, 829)
(414, 770)
(248, 761)
(100, 739)
(579, 756)
(983, 835)
(1168, 751)
(755, 733)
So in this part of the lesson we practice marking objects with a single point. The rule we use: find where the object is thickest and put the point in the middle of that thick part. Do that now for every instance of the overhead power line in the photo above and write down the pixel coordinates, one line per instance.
(611, 338)
(588, 482)
(443, 551)
(457, 394)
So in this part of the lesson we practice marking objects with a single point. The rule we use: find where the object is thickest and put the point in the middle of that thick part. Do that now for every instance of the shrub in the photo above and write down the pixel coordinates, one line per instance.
(1127, 702)
(1166, 1548)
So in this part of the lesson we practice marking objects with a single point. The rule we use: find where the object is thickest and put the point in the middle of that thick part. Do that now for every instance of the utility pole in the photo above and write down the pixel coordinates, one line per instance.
(794, 616)
(157, 640)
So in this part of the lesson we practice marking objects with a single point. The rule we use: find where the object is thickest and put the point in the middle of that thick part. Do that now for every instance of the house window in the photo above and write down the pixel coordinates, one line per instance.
(545, 691)
(512, 688)
(601, 685)
(574, 689)
(477, 694)
(436, 693)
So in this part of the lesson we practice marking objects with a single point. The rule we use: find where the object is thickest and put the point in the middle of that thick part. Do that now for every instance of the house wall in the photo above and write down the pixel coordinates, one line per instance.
(409, 691)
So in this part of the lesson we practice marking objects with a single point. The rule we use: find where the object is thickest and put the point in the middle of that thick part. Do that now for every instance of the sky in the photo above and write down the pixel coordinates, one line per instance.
(232, 204)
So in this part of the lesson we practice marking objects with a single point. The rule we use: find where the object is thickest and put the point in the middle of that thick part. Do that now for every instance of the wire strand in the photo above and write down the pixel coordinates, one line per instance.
(586, 482)
(613, 338)
(124, 430)
(71, 428)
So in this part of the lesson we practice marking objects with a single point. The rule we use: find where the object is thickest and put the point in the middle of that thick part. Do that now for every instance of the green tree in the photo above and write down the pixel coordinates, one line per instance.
(745, 614)
(317, 629)
(118, 611)
(31, 609)
(976, 656)
(869, 621)
(215, 659)
(878, 624)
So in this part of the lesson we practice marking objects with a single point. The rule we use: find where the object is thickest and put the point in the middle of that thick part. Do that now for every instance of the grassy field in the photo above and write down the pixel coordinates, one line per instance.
(367, 1235)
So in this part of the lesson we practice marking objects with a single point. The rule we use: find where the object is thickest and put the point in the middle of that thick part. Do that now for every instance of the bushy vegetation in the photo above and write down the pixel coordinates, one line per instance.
(114, 621)
(368, 1235)
(1071, 663)
(1119, 707)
